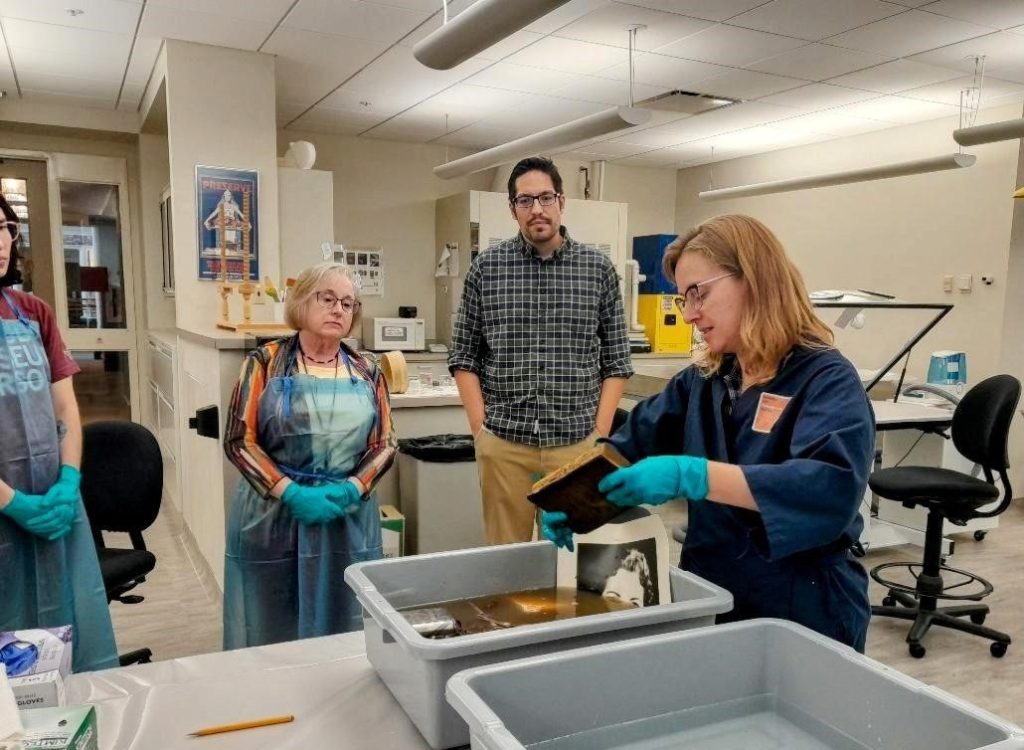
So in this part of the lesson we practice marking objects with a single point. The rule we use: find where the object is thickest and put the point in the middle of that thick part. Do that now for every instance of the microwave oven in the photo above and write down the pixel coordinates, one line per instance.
(394, 334)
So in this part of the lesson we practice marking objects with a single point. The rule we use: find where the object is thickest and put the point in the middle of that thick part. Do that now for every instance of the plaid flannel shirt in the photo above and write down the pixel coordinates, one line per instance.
(542, 335)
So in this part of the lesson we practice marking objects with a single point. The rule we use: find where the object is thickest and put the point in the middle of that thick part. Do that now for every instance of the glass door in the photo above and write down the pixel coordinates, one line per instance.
(95, 283)
(23, 183)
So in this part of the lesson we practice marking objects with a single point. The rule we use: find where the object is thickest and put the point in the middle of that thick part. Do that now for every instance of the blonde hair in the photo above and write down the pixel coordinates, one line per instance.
(296, 306)
(777, 315)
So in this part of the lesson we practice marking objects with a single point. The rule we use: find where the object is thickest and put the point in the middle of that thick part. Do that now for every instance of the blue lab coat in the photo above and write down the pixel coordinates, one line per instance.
(807, 473)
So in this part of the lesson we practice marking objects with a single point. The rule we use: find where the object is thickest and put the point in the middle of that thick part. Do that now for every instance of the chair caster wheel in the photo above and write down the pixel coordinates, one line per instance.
(978, 619)
(889, 601)
(979, 535)
(918, 651)
(998, 649)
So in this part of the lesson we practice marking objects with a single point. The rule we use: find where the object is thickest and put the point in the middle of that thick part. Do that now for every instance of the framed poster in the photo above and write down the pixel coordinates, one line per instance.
(228, 223)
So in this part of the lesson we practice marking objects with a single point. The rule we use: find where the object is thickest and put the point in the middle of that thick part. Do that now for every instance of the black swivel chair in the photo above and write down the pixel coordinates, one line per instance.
(122, 484)
(980, 428)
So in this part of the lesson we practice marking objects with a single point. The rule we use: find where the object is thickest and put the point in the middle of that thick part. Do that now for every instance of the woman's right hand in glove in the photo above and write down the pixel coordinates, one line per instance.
(314, 505)
(34, 514)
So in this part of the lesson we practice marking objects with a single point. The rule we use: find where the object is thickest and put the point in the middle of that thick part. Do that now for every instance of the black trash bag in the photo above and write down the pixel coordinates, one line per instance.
(439, 449)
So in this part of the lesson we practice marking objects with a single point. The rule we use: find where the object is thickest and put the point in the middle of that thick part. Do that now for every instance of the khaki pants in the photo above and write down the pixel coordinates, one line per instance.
(507, 472)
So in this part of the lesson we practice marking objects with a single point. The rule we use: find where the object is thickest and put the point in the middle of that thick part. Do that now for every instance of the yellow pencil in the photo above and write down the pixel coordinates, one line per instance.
(243, 725)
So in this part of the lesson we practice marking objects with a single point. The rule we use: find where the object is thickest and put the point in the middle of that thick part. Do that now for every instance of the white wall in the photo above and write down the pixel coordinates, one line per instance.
(220, 112)
(384, 195)
(159, 308)
(1013, 343)
(898, 236)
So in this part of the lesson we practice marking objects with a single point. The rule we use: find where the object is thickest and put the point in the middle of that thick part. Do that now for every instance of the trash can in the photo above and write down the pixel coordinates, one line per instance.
(440, 493)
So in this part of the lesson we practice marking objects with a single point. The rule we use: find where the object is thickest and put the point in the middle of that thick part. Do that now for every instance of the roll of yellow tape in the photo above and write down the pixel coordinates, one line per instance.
(396, 372)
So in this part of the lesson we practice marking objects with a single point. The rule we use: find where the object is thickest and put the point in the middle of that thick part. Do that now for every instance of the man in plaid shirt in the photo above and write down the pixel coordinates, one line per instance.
(540, 352)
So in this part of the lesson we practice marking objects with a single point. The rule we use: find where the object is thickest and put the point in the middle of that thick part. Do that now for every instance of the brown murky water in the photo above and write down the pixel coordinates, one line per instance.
(501, 611)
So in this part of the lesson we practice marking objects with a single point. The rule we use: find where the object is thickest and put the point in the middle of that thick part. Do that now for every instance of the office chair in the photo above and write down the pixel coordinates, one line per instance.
(122, 484)
(980, 429)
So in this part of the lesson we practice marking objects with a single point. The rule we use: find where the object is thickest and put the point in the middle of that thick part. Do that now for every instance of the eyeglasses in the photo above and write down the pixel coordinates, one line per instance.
(328, 301)
(525, 202)
(12, 227)
(691, 299)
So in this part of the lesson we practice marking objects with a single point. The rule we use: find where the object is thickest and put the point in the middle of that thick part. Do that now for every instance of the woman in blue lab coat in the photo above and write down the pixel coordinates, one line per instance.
(769, 435)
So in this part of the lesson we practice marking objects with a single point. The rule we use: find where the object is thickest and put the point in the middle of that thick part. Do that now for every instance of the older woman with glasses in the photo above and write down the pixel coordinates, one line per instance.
(310, 430)
(769, 435)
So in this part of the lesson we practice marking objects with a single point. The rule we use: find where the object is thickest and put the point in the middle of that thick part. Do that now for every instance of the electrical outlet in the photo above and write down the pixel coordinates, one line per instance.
(964, 282)
(988, 280)
(947, 283)
(259, 298)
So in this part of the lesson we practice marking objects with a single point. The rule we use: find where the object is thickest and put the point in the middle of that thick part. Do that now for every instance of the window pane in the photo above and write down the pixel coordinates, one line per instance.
(103, 387)
(92, 255)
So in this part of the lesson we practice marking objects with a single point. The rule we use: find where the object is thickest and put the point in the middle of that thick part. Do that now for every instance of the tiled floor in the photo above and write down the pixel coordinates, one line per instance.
(179, 618)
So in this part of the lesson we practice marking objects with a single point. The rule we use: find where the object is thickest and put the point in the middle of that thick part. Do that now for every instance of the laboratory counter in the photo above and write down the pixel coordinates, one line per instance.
(326, 683)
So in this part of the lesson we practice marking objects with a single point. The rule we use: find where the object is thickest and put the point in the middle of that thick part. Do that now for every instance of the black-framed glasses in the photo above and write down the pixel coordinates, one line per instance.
(327, 300)
(692, 299)
(525, 202)
(13, 227)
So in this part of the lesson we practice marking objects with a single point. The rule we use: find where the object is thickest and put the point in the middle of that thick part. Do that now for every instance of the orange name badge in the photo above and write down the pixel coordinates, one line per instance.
(769, 409)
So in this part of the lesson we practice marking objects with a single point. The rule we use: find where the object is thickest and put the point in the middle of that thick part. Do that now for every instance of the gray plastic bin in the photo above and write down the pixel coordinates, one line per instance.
(416, 669)
(753, 685)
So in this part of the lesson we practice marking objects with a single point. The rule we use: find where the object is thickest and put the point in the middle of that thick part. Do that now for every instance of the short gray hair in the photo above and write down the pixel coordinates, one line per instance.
(296, 305)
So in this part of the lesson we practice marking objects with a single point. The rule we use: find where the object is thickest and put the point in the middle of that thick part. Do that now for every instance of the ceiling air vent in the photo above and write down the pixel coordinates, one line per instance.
(685, 102)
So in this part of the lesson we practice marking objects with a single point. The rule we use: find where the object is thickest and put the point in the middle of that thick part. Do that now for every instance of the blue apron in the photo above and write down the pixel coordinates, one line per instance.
(284, 580)
(45, 584)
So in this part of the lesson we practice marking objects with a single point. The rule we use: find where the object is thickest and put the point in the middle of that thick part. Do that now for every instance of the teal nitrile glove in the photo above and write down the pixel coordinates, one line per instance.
(67, 488)
(656, 480)
(312, 505)
(346, 496)
(33, 514)
(554, 526)
(58, 521)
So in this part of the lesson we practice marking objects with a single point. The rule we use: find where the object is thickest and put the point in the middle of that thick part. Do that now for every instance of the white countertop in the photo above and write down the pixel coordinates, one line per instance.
(421, 396)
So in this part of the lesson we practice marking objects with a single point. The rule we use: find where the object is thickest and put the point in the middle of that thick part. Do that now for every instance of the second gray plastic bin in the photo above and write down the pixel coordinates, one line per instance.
(755, 685)
(416, 669)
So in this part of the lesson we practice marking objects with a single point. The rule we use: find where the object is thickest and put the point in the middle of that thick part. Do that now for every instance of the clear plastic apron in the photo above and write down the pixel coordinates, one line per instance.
(43, 583)
(284, 580)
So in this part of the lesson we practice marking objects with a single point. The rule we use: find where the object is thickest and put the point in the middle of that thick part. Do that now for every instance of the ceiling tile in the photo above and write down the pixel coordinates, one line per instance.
(418, 82)
(115, 16)
(896, 76)
(323, 120)
(479, 136)
(383, 102)
(616, 148)
(659, 159)
(32, 81)
(908, 33)
(53, 50)
(164, 22)
(1001, 49)
(354, 19)
(746, 84)
(44, 97)
(509, 46)
(607, 91)
(717, 121)
(465, 104)
(818, 96)
(253, 10)
(897, 109)
(522, 78)
(911, 3)
(994, 91)
(831, 123)
(6, 74)
(341, 57)
(662, 70)
(144, 55)
(570, 56)
(609, 25)
(131, 96)
(816, 62)
(424, 6)
(711, 10)
(537, 112)
(730, 45)
(999, 14)
(302, 82)
(814, 19)
(289, 110)
(566, 14)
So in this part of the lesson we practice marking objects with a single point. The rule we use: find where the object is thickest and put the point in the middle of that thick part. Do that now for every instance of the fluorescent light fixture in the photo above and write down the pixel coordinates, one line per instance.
(585, 128)
(1006, 130)
(482, 24)
(920, 166)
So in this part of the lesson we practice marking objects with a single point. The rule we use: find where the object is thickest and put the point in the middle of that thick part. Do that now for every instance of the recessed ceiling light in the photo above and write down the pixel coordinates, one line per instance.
(74, 12)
